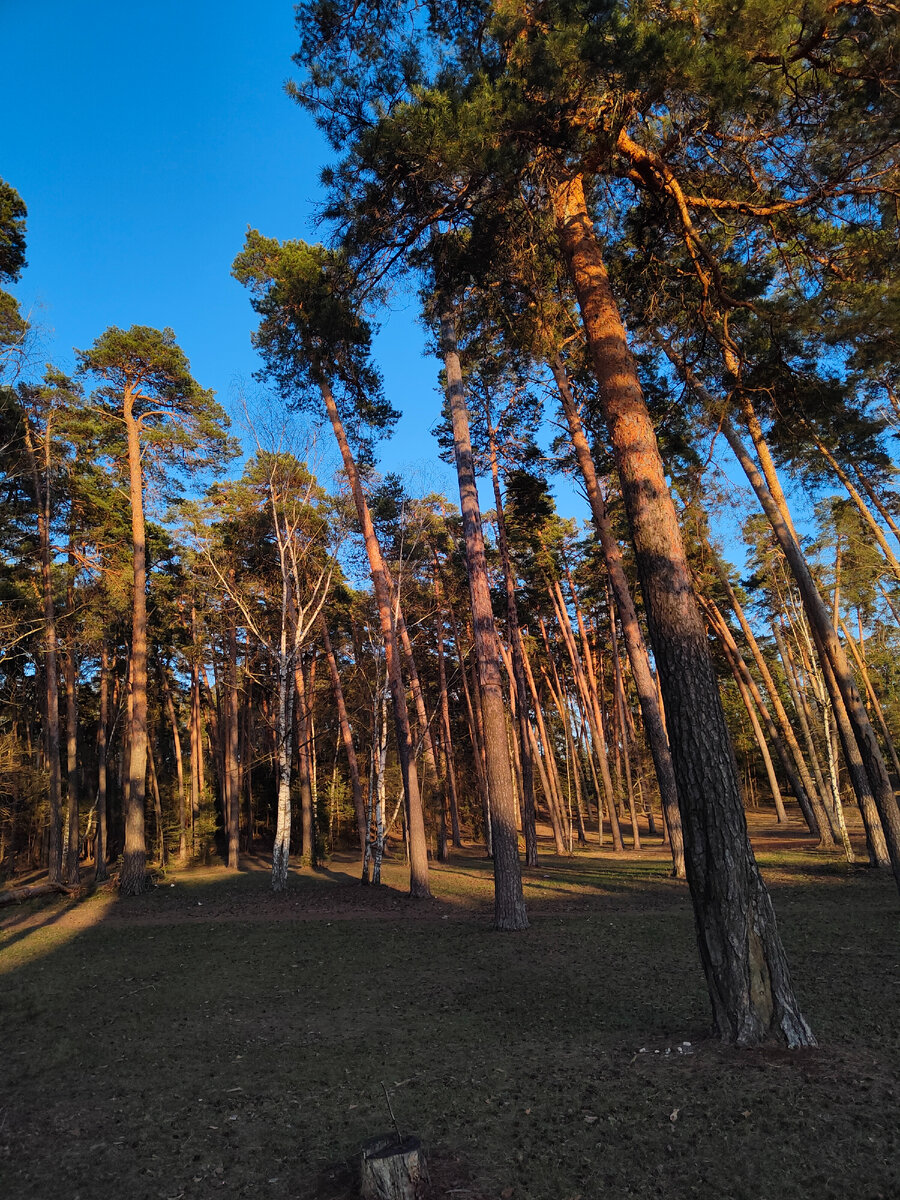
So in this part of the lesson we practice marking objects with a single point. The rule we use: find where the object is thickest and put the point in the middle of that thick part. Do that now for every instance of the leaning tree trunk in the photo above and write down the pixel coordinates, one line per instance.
(133, 875)
(509, 901)
(816, 818)
(859, 739)
(418, 847)
(745, 965)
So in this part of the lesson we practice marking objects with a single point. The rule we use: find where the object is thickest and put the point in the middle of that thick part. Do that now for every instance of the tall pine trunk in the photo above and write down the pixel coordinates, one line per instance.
(447, 738)
(231, 785)
(529, 823)
(418, 849)
(813, 809)
(509, 901)
(743, 959)
(133, 875)
(70, 673)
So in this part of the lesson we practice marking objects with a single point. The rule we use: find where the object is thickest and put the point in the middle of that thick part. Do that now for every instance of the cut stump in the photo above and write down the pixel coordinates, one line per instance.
(392, 1169)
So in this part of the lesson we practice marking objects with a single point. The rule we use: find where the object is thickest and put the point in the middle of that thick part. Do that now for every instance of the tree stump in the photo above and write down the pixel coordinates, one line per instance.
(392, 1169)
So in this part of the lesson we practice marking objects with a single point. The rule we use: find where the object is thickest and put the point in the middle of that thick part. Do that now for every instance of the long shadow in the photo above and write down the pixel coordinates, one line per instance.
(227, 1060)
(22, 925)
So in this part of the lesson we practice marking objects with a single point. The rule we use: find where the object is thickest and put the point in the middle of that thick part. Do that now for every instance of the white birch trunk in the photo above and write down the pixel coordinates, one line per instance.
(379, 791)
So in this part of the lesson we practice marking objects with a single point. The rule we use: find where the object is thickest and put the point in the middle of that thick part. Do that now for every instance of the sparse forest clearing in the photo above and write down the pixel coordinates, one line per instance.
(211, 1039)
(530, 787)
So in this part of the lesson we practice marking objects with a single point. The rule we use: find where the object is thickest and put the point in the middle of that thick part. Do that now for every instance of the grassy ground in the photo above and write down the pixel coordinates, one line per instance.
(209, 1039)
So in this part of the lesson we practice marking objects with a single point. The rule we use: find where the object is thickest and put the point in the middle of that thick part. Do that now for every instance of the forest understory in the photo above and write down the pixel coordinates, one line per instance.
(211, 1038)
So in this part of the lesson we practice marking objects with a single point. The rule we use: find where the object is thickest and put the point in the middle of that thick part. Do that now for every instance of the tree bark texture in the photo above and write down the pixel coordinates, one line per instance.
(743, 959)
(132, 877)
(529, 820)
(509, 901)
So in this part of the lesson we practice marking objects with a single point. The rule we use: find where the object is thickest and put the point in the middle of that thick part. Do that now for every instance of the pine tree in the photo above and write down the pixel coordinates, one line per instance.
(168, 421)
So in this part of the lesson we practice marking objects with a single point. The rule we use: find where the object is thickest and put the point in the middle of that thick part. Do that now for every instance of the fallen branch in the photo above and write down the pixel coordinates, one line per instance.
(18, 895)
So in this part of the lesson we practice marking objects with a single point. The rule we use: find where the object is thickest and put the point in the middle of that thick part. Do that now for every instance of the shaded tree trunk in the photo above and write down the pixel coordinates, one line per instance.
(179, 766)
(359, 804)
(100, 846)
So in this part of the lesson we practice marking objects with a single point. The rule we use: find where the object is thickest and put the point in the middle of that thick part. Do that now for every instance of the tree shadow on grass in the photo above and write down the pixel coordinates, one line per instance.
(229, 1058)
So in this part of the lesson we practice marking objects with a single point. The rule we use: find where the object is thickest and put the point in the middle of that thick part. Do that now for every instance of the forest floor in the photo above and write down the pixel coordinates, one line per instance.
(209, 1039)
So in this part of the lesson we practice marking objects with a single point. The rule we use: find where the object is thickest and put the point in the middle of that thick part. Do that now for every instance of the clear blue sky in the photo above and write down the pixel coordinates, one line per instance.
(144, 138)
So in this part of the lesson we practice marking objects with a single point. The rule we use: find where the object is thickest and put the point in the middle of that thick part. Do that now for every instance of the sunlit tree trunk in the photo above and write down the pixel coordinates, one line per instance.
(619, 686)
(813, 808)
(802, 709)
(509, 901)
(132, 878)
(471, 723)
(162, 854)
(70, 675)
(546, 762)
(418, 861)
(445, 715)
(746, 969)
(231, 790)
(529, 826)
